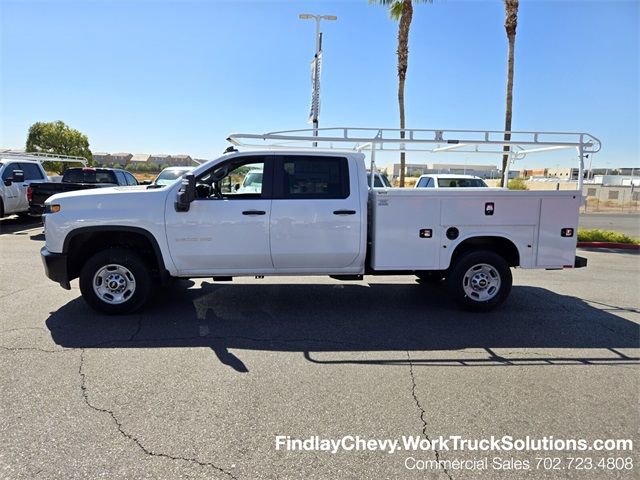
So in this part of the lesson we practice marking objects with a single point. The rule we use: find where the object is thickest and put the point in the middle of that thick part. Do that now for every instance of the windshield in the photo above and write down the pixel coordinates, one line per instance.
(461, 182)
(253, 179)
(88, 175)
(378, 182)
(167, 177)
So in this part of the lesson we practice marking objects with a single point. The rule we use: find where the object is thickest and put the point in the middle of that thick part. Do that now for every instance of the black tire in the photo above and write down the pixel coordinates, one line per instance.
(133, 271)
(430, 277)
(479, 266)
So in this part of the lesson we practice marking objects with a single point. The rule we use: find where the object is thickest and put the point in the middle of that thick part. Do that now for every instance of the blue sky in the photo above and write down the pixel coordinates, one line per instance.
(178, 77)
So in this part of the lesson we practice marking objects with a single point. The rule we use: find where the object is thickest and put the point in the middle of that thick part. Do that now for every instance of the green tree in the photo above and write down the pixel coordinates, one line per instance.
(517, 184)
(59, 138)
(510, 25)
(401, 10)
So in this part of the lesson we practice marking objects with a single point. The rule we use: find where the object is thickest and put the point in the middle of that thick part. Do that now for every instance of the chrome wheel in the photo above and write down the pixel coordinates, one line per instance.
(114, 284)
(481, 282)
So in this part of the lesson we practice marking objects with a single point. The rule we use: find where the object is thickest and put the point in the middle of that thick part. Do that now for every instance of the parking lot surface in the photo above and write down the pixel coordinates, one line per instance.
(201, 382)
(627, 223)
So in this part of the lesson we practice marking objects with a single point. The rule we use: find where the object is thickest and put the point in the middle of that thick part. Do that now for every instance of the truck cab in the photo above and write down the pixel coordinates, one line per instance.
(304, 216)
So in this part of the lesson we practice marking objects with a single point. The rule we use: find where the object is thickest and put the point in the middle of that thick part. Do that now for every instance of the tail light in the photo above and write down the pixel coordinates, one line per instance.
(29, 193)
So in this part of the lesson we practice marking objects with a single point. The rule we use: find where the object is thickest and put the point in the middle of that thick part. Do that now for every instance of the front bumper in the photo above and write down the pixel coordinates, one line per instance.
(55, 267)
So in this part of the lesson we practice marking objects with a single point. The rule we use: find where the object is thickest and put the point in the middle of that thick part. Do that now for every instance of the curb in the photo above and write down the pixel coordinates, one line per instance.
(623, 246)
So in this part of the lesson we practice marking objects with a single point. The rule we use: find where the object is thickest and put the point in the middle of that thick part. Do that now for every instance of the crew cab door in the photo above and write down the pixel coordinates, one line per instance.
(226, 230)
(316, 214)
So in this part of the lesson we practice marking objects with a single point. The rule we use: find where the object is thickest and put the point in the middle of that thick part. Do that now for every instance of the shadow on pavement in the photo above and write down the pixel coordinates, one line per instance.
(355, 318)
(18, 225)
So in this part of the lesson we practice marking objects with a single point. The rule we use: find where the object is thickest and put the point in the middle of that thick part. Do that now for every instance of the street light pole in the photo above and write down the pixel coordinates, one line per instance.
(315, 95)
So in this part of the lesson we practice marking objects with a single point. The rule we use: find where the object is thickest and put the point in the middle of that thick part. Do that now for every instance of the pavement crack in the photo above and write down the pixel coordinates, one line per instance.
(131, 437)
(34, 349)
(423, 413)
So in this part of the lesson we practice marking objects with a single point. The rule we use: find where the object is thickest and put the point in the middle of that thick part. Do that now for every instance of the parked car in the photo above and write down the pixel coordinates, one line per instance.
(252, 182)
(170, 175)
(76, 179)
(448, 180)
(312, 214)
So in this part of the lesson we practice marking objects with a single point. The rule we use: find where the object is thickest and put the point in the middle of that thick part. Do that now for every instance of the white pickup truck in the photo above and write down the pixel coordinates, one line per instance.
(18, 170)
(313, 215)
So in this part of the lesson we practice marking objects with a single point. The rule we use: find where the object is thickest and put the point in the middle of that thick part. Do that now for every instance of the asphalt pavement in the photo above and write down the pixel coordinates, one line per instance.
(201, 383)
(627, 223)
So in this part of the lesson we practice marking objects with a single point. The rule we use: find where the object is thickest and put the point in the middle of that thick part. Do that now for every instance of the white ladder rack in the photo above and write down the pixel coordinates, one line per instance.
(426, 140)
(42, 157)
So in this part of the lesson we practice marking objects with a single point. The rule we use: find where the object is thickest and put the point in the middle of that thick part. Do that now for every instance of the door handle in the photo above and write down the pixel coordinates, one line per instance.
(254, 212)
(344, 212)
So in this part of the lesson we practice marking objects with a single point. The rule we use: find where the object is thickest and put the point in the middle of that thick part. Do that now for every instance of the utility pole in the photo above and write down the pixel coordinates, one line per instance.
(316, 66)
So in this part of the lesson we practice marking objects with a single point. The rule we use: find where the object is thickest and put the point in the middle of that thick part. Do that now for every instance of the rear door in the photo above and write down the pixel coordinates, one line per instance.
(315, 214)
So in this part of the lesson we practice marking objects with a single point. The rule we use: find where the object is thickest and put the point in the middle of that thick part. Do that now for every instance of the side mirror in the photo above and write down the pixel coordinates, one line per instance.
(236, 187)
(17, 177)
(186, 194)
(145, 182)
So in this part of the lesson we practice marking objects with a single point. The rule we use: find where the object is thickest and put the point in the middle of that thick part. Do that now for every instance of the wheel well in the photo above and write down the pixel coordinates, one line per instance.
(84, 245)
(499, 245)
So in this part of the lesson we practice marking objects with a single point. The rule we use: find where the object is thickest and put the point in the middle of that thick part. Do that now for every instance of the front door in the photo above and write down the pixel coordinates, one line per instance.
(15, 199)
(226, 230)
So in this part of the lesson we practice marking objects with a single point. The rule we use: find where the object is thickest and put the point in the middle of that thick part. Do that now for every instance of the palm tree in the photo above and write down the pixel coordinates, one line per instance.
(510, 24)
(401, 10)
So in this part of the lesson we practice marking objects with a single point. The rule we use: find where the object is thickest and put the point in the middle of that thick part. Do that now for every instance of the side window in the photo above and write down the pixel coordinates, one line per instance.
(314, 177)
(422, 183)
(8, 170)
(131, 180)
(430, 183)
(238, 178)
(31, 171)
(121, 178)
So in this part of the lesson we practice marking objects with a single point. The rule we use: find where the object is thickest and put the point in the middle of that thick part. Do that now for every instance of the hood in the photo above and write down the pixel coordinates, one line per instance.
(97, 192)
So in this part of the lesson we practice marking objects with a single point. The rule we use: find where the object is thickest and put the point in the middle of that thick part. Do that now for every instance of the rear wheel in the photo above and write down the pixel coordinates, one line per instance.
(115, 281)
(480, 280)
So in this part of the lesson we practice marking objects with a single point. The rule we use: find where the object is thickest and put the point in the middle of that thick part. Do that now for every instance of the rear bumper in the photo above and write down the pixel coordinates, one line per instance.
(55, 267)
(580, 262)
(36, 210)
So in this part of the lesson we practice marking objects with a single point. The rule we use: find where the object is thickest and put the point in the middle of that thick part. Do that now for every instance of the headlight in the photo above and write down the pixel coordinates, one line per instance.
(51, 208)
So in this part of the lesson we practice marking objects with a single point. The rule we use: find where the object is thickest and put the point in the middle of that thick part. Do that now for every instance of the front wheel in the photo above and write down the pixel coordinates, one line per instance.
(115, 281)
(480, 280)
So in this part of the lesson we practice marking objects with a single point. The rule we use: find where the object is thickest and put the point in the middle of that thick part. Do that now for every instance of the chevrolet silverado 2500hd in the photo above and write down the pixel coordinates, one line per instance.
(313, 214)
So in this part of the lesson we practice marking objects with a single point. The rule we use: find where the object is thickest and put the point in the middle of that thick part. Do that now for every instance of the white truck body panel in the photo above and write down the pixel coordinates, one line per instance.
(532, 221)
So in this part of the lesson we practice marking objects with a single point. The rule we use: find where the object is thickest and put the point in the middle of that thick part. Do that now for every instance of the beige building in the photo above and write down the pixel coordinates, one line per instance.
(565, 173)
(139, 158)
